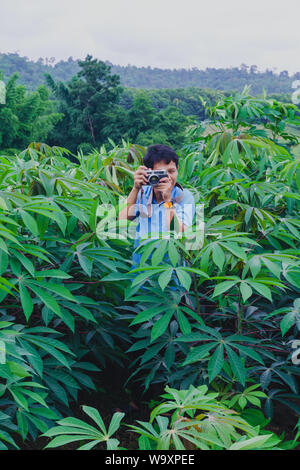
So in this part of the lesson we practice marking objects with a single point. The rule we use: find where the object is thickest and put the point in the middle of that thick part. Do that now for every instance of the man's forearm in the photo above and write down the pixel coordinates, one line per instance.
(131, 200)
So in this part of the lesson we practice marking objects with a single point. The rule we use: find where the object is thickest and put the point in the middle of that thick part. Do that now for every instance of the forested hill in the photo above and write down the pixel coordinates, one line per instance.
(32, 74)
(217, 79)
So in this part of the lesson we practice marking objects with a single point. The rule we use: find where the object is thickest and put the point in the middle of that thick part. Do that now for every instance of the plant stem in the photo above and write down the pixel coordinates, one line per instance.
(240, 318)
(196, 294)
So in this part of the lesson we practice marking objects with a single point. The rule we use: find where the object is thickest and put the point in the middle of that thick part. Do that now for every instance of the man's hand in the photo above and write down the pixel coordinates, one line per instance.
(140, 177)
(164, 189)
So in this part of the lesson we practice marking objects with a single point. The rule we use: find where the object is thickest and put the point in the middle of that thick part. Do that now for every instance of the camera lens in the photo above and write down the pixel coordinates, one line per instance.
(153, 179)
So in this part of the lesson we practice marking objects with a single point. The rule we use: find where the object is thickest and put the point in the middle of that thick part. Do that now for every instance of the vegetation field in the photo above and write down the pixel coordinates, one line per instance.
(198, 347)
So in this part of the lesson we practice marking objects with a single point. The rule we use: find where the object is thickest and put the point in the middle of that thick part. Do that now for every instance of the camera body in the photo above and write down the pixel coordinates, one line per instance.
(154, 176)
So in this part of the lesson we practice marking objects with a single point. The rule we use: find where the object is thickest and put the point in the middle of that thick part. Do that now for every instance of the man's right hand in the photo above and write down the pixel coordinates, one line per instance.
(140, 177)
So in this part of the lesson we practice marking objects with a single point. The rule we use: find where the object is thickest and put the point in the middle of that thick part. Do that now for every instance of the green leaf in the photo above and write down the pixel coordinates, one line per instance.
(173, 254)
(250, 352)
(151, 352)
(90, 445)
(273, 267)
(54, 287)
(35, 396)
(2, 352)
(19, 399)
(242, 402)
(235, 249)
(145, 275)
(80, 310)
(85, 263)
(25, 261)
(62, 440)
(3, 261)
(147, 250)
(42, 223)
(52, 351)
(248, 214)
(294, 278)
(254, 400)
(236, 364)
(297, 178)
(218, 256)
(53, 273)
(246, 291)
(5, 324)
(112, 444)
(169, 355)
(164, 278)
(22, 424)
(38, 423)
(287, 322)
(198, 352)
(223, 287)
(95, 416)
(255, 265)
(184, 278)
(30, 222)
(3, 205)
(196, 271)
(77, 423)
(252, 443)
(7, 235)
(115, 423)
(147, 314)
(262, 289)
(184, 324)
(26, 301)
(45, 413)
(17, 369)
(49, 301)
(216, 362)
(159, 253)
(113, 277)
(7, 438)
(161, 325)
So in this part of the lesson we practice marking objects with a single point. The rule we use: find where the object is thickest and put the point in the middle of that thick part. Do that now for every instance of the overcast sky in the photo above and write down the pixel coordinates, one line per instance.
(159, 33)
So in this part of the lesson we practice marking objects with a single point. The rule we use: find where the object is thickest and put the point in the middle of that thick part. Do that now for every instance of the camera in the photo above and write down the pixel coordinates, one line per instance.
(154, 176)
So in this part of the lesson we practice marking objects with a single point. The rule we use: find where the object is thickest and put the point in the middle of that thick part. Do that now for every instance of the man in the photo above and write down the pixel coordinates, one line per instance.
(156, 206)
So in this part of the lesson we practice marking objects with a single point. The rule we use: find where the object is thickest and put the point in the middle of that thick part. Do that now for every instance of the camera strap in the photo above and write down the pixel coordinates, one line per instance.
(150, 199)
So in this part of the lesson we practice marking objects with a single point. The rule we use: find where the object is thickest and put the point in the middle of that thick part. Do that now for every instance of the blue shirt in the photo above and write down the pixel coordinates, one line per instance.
(152, 215)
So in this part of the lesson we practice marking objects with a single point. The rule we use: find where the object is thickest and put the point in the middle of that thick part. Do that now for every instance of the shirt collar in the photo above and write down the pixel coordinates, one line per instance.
(176, 196)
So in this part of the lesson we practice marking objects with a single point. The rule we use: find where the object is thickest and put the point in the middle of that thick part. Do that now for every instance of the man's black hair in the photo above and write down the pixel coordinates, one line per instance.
(157, 153)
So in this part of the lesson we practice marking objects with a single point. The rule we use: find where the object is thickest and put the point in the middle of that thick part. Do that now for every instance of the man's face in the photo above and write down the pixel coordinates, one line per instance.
(170, 168)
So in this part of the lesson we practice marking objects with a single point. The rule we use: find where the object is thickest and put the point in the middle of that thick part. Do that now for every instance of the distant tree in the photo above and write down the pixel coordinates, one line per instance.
(85, 102)
(140, 117)
(284, 74)
(253, 69)
(172, 123)
(25, 116)
(144, 122)
(226, 79)
(244, 68)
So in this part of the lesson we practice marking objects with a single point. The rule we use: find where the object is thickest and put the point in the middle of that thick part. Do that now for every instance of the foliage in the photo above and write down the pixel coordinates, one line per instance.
(86, 106)
(228, 327)
(197, 421)
(92, 115)
(25, 116)
(73, 429)
(84, 102)
(49, 287)
(229, 79)
(224, 315)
